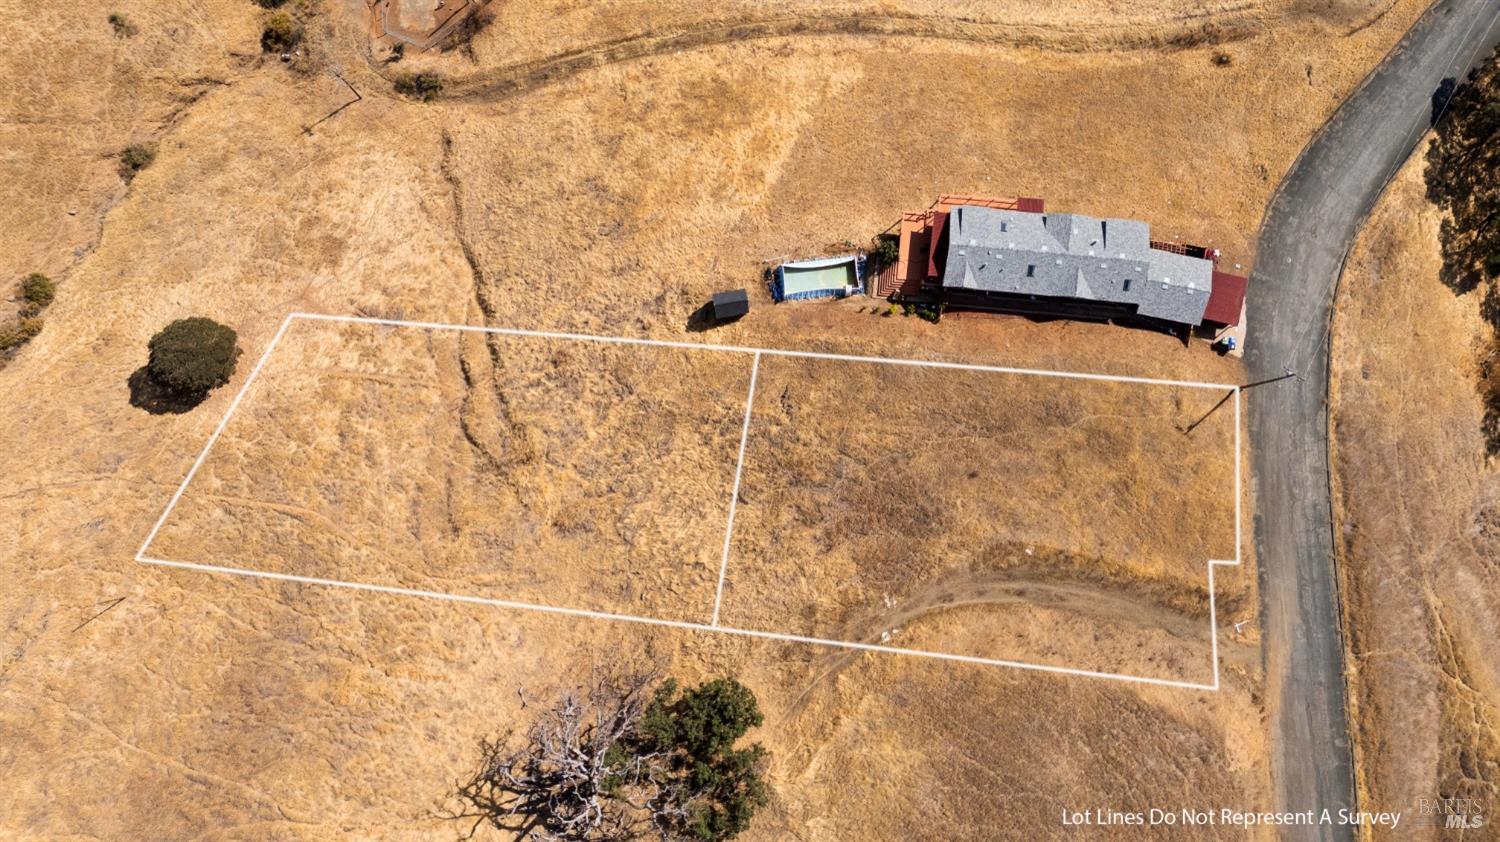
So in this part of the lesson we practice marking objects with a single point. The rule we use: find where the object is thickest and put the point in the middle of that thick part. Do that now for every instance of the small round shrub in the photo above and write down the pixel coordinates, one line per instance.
(122, 26)
(134, 158)
(281, 35)
(38, 289)
(887, 251)
(13, 336)
(419, 86)
(191, 356)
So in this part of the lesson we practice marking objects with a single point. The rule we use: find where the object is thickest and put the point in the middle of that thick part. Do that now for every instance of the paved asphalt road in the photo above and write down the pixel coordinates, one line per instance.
(1307, 233)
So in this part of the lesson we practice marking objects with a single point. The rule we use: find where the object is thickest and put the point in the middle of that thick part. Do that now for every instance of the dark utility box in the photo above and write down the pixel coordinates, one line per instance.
(730, 305)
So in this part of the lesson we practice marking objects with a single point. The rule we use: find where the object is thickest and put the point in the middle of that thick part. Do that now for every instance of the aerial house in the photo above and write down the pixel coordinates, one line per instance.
(1011, 256)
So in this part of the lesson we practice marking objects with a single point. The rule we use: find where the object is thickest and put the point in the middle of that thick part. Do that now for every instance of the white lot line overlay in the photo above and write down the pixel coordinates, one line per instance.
(734, 493)
(713, 626)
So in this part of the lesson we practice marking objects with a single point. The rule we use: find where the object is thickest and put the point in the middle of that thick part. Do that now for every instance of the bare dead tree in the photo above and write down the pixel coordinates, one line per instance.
(571, 779)
(627, 758)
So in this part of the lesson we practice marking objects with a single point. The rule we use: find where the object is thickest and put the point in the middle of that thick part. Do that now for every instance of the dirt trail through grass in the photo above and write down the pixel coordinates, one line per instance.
(1182, 32)
(1105, 603)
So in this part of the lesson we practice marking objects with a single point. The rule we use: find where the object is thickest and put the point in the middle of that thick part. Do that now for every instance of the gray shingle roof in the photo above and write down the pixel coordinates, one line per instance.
(1069, 255)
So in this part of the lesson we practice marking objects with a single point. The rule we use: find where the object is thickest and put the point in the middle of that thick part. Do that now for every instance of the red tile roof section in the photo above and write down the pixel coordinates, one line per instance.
(1227, 299)
(934, 247)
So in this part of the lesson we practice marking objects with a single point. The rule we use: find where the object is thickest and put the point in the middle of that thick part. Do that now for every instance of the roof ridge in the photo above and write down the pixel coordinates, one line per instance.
(1081, 287)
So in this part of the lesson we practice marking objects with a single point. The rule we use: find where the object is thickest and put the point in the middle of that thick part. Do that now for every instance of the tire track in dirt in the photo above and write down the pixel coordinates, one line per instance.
(1100, 601)
(301, 513)
(1178, 33)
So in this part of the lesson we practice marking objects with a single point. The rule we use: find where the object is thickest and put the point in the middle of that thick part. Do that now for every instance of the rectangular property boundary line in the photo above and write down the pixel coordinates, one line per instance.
(142, 557)
(680, 624)
(770, 352)
(218, 431)
(734, 493)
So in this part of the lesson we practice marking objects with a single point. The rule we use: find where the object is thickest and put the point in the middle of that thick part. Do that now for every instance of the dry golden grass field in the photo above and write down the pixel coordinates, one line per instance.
(875, 496)
(603, 486)
(1419, 528)
(598, 167)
